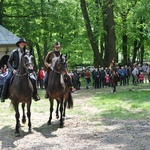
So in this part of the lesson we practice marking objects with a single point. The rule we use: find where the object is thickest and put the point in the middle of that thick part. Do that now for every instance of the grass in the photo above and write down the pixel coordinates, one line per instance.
(127, 104)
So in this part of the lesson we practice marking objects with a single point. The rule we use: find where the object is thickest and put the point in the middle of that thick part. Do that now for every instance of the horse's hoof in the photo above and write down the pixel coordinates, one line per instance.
(61, 125)
(23, 121)
(30, 130)
(48, 123)
(17, 134)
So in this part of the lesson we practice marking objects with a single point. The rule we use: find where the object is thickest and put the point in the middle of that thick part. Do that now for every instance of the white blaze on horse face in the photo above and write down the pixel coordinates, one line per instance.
(30, 63)
(54, 61)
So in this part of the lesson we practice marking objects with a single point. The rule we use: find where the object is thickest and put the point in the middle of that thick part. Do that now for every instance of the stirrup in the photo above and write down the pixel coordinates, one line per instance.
(36, 97)
(46, 95)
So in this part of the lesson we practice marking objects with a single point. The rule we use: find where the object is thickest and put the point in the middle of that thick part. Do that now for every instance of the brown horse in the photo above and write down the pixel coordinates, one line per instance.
(21, 89)
(58, 88)
(114, 78)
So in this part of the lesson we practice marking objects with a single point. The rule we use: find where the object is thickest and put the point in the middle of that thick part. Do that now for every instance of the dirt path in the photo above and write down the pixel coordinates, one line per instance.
(81, 132)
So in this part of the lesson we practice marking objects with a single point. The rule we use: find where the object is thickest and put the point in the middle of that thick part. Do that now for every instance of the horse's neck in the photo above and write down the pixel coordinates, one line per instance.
(56, 78)
(21, 70)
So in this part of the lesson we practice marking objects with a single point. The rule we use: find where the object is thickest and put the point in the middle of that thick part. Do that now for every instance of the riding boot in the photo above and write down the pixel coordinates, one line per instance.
(46, 83)
(4, 94)
(36, 97)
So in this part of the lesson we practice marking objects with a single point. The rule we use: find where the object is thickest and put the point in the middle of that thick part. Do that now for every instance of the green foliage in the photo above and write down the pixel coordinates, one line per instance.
(44, 22)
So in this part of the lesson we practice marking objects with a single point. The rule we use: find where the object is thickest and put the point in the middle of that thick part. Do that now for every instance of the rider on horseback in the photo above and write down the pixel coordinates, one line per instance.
(113, 66)
(48, 64)
(13, 63)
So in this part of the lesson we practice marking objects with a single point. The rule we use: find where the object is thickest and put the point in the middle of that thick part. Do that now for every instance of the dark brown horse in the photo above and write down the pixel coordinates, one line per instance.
(21, 89)
(58, 88)
(114, 78)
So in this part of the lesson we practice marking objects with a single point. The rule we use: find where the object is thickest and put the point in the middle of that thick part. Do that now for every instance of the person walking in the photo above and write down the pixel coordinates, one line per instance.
(41, 75)
(87, 78)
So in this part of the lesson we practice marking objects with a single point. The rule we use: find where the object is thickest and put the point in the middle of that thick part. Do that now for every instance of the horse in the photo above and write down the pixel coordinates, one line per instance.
(59, 88)
(21, 89)
(114, 78)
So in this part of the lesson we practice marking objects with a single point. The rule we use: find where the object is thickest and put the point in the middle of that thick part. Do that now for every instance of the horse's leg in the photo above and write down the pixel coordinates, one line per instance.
(29, 114)
(64, 112)
(51, 111)
(114, 87)
(61, 113)
(17, 116)
(57, 113)
(24, 116)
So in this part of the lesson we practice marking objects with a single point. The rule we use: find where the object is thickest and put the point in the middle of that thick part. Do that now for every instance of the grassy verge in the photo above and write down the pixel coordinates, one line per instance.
(132, 103)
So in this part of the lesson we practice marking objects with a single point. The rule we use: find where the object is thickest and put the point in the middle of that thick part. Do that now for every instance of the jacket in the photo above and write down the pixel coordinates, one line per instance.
(49, 57)
(13, 60)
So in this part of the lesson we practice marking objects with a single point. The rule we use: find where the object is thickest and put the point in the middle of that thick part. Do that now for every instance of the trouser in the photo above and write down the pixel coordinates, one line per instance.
(6, 85)
(46, 80)
(33, 81)
(7, 82)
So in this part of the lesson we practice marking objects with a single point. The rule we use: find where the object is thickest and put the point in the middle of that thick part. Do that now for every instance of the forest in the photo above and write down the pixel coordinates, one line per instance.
(91, 32)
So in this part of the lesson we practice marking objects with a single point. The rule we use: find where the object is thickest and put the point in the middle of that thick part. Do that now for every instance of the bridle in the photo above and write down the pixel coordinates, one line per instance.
(56, 71)
(27, 72)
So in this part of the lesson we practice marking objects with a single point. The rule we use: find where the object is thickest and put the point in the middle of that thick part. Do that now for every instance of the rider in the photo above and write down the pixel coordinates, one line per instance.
(48, 64)
(113, 66)
(13, 63)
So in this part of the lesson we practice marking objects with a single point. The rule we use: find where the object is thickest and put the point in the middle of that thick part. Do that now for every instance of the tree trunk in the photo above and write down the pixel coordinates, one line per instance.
(40, 60)
(136, 48)
(1, 12)
(125, 53)
(93, 41)
(142, 53)
(109, 38)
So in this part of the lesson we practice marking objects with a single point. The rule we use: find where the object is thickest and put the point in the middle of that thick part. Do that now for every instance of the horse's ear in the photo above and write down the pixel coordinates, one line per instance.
(31, 50)
(60, 55)
(24, 49)
(66, 56)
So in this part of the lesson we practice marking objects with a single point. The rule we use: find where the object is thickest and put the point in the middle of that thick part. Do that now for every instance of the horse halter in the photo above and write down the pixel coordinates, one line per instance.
(58, 64)
(27, 64)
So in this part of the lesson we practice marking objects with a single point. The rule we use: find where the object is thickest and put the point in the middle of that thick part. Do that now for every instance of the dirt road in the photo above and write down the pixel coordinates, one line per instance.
(81, 131)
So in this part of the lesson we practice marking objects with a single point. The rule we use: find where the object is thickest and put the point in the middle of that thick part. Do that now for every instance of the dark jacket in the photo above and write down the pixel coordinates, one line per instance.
(13, 61)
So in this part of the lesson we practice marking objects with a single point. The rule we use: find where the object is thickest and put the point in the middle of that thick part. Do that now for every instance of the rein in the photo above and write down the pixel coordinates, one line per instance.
(56, 71)
(21, 75)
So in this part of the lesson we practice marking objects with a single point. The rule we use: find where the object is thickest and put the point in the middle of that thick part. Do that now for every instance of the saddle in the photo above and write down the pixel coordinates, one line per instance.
(11, 80)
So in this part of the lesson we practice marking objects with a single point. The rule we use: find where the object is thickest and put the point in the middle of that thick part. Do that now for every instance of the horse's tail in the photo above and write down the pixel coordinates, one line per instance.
(70, 100)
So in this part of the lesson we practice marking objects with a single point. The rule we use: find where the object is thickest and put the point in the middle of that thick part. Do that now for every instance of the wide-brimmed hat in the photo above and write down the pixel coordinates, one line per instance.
(22, 40)
(57, 44)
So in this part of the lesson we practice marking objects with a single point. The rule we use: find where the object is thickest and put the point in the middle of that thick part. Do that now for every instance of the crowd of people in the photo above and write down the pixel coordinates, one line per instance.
(100, 77)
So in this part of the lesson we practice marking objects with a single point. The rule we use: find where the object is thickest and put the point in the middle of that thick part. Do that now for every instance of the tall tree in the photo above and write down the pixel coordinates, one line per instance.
(93, 40)
(1, 11)
(109, 27)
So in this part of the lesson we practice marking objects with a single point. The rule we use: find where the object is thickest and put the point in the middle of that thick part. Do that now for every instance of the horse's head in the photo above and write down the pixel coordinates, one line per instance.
(61, 64)
(27, 60)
